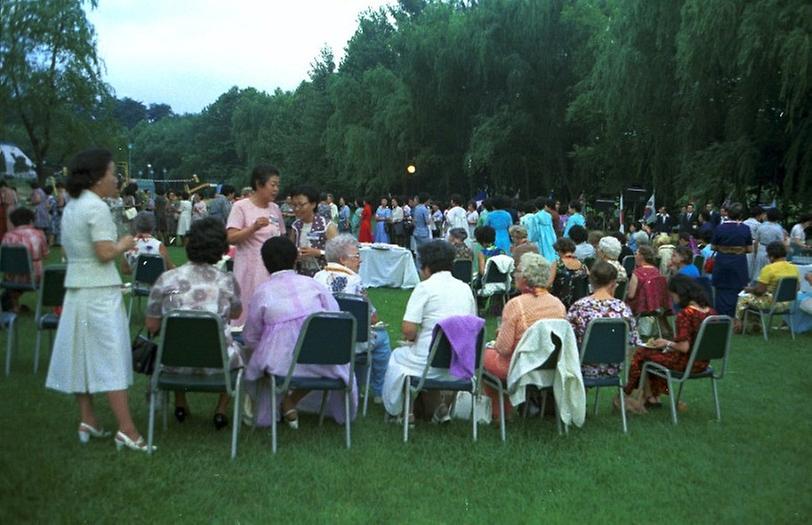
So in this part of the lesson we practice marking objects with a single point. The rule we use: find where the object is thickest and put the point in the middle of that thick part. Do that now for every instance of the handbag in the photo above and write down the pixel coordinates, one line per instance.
(710, 262)
(130, 213)
(144, 351)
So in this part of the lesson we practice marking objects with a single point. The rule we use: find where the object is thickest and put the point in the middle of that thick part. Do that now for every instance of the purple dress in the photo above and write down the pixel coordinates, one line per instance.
(275, 317)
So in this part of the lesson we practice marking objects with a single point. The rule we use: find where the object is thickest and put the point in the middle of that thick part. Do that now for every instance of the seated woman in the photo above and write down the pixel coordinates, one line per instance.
(760, 295)
(438, 296)
(198, 285)
(145, 243)
(644, 294)
(534, 303)
(457, 237)
(692, 299)
(25, 234)
(486, 237)
(682, 262)
(567, 269)
(583, 249)
(275, 318)
(609, 249)
(601, 304)
(664, 249)
(341, 276)
(521, 246)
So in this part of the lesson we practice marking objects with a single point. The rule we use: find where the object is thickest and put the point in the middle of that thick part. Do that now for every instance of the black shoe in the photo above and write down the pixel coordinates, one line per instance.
(220, 421)
(180, 414)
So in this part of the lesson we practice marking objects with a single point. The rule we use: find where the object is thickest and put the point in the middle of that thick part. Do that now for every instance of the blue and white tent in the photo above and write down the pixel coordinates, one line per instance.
(13, 157)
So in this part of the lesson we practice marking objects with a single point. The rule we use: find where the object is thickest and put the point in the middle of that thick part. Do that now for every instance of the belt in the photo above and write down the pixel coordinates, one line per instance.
(732, 250)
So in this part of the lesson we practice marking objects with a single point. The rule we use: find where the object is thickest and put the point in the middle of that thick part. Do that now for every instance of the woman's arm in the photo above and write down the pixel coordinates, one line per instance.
(481, 264)
(238, 236)
(152, 324)
(168, 264)
(107, 251)
(409, 330)
(632, 290)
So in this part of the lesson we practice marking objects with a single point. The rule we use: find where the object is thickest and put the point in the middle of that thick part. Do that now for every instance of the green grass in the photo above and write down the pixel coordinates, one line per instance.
(753, 466)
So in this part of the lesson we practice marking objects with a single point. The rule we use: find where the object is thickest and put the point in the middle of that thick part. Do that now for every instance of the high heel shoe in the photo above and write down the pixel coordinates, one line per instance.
(86, 432)
(180, 414)
(123, 440)
(291, 417)
(220, 421)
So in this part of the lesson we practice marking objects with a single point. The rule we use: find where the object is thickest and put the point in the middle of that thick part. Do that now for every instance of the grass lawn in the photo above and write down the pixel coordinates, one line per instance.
(753, 466)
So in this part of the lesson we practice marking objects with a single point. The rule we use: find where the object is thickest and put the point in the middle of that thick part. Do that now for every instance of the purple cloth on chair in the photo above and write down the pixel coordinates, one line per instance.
(462, 332)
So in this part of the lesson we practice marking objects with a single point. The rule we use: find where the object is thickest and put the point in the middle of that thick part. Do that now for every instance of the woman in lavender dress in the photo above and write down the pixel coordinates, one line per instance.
(276, 315)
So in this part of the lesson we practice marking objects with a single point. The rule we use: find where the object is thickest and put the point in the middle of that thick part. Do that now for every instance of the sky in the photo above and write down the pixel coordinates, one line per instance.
(186, 53)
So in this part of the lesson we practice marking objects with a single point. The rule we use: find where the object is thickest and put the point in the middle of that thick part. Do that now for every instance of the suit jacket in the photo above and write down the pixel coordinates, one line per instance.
(662, 223)
(687, 222)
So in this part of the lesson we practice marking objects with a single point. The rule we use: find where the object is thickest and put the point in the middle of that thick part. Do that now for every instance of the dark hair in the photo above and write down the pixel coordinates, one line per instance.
(458, 233)
(734, 211)
(456, 198)
(564, 245)
(774, 215)
(21, 216)
(437, 255)
(706, 236)
(227, 189)
(578, 234)
(601, 274)
(685, 253)
(647, 253)
(485, 235)
(776, 250)
(705, 216)
(309, 192)
(184, 195)
(805, 217)
(550, 203)
(130, 189)
(206, 241)
(687, 289)
(278, 253)
(261, 174)
(620, 237)
(86, 169)
(34, 185)
(575, 205)
(685, 236)
(755, 211)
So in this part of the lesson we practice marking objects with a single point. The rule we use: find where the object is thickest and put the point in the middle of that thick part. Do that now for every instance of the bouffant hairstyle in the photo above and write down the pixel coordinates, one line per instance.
(647, 253)
(687, 290)
(21, 216)
(260, 175)
(279, 253)
(206, 241)
(602, 274)
(437, 255)
(86, 169)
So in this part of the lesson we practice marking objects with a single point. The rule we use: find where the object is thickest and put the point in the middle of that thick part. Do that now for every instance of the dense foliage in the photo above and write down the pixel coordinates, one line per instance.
(694, 98)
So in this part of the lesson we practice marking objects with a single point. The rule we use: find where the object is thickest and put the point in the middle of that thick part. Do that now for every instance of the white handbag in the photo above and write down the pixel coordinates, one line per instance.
(462, 408)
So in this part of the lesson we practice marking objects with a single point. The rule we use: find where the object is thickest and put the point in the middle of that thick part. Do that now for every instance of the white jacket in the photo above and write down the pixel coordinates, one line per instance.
(505, 264)
(532, 351)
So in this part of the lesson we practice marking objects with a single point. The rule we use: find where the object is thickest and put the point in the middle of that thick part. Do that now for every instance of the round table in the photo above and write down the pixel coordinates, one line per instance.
(387, 266)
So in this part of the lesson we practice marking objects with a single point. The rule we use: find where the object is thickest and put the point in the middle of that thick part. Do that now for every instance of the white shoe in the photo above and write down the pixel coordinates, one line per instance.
(123, 440)
(86, 432)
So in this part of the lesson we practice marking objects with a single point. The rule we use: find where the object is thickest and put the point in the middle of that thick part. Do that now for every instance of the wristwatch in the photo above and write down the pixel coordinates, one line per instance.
(668, 346)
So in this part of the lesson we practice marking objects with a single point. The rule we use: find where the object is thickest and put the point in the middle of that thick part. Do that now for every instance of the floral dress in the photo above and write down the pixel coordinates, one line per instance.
(589, 308)
(563, 284)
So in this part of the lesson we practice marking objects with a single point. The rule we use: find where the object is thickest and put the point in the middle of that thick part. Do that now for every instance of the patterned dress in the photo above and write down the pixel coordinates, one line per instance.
(688, 321)
(36, 244)
(198, 286)
(589, 308)
(311, 235)
(563, 284)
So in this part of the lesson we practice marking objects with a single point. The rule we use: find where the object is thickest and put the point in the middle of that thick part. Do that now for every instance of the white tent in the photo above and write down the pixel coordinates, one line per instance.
(14, 156)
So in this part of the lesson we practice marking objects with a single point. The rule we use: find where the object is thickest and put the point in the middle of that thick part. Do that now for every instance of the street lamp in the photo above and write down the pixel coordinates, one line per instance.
(149, 171)
(129, 157)
(410, 169)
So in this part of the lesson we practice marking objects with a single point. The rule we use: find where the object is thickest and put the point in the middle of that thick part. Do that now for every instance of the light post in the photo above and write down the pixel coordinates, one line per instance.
(149, 171)
(129, 157)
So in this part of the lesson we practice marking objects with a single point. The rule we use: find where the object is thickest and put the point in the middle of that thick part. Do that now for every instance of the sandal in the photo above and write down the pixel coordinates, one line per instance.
(291, 418)
(632, 406)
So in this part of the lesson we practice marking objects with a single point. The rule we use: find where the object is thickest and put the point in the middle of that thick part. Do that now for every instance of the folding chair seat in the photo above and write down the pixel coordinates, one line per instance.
(785, 293)
(605, 341)
(712, 343)
(51, 295)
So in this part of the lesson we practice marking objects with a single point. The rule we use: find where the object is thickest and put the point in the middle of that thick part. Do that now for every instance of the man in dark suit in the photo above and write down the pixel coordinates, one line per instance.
(715, 216)
(688, 220)
(662, 222)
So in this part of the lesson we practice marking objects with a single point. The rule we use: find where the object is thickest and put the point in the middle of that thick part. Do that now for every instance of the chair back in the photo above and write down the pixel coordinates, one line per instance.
(605, 341)
(359, 308)
(628, 265)
(229, 265)
(786, 290)
(494, 275)
(52, 288)
(580, 287)
(707, 285)
(327, 338)
(620, 290)
(712, 342)
(588, 262)
(462, 270)
(14, 258)
(552, 361)
(440, 354)
(147, 269)
(192, 338)
(699, 262)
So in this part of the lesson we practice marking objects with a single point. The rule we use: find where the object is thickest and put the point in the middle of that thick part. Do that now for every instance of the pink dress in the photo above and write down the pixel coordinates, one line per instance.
(276, 314)
(249, 270)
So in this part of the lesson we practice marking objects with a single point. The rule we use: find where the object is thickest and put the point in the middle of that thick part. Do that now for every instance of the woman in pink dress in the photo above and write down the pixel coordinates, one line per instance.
(276, 314)
(253, 221)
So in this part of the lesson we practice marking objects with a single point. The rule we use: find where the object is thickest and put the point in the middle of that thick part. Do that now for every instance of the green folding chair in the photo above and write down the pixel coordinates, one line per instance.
(785, 292)
(8, 321)
(550, 364)
(327, 338)
(196, 339)
(494, 276)
(629, 265)
(712, 343)
(588, 262)
(463, 270)
(51, 295)
(15, 260)
(620, 290)
(147, 270)
(359, 308)
(606, 341)
(440, 357)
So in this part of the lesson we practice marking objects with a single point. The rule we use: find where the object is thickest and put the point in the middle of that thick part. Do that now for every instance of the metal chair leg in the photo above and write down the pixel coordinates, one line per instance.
(501, 413)
(679, 391)
(273, 414)
(671, 400)
(597, 390)
(37, 343)
(623, 410)
(164, 397)
(368, 383)
(764, 327)
(151, 429)
(9, 347)
(716, 399)
(323, 406)
(543, 404)
(474, 400)
(405, 415)
(236, 422)
(347, 419)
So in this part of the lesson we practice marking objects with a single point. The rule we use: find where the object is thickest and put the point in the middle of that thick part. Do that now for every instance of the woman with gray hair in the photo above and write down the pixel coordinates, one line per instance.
(609, 249)
(535, 302)
(145, 244)
(521, 246)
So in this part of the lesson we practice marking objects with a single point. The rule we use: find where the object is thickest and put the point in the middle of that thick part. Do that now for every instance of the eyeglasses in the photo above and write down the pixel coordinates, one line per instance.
(354, 256)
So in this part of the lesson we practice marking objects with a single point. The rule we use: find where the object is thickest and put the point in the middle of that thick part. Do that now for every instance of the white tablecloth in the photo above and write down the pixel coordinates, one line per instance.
(392, 268)
(804, 269)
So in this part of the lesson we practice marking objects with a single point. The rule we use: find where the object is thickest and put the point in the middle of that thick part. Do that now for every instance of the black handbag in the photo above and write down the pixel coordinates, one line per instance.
(144, 353)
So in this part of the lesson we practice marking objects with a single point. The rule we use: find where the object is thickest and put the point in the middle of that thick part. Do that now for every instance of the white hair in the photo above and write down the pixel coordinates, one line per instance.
(339, 247)
(610, 247)
(536, 270)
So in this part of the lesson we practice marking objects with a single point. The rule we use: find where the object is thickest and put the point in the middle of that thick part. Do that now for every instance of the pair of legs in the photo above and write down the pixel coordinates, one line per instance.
(119, 405)
(181, 402)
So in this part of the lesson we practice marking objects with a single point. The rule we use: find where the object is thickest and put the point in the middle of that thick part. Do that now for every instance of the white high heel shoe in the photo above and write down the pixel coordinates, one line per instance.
(123, 440)
(86, 432)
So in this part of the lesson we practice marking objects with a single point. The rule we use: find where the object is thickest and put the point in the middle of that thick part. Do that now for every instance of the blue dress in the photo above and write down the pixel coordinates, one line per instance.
(500, 220)
(545, 234)
(730, 272)
(381, 217)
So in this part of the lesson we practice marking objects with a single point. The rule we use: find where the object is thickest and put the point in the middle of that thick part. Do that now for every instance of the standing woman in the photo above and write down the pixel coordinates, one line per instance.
(365, 234)
(199, 209)
(732, 241)
(397, 223)
(310, 231)
(500, 220)
(184, 216)
(355, 219)
(382, 217)
(768, 232)
(252, 221)
(92, 346)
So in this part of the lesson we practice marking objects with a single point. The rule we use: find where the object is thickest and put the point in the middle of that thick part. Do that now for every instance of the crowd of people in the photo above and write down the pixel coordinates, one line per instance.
(290, 259)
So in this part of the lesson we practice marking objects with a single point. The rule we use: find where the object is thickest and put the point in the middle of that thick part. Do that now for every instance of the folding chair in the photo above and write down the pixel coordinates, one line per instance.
(359, 308)
(229, 265)
(662, 309)
(147, 270)
(785, 292)
(462, 270)
(51, 295)
(580, 287)
(699, 262)
(494, 276)
(550, 364)
(620, 290)
(15, 259)
(712, 342)
(327, 338)
(606, 341)
(440, 357)
(629, 265)
(588, 262)
(7, 321)
(194, 338)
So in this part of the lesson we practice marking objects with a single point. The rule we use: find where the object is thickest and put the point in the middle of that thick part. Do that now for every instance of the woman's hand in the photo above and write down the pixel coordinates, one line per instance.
(261, 223)
(659, 343)
(309, 252)
(125, 243)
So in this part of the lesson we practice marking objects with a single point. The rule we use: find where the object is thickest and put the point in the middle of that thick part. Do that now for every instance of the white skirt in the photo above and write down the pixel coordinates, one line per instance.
(92, 349)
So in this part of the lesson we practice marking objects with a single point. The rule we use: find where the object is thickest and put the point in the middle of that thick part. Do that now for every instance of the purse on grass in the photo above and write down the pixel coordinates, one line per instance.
(144, 351)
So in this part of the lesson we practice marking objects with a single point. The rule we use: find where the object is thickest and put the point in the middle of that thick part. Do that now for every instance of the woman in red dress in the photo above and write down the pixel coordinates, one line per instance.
(365, 233)
(673, 354)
